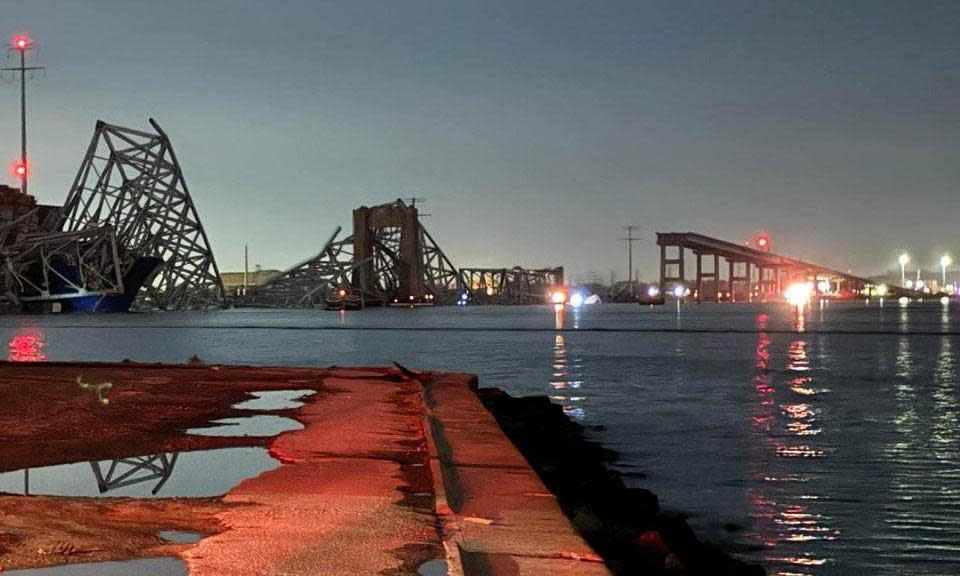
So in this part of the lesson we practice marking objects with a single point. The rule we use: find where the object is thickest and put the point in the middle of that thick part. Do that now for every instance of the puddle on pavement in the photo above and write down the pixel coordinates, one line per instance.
(178, 537)
(151, 566)
(250, 426)
(275, 400)
(435, 567)
(185, 474)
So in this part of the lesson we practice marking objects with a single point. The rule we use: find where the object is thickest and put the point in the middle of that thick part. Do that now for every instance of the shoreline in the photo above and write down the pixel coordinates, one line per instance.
(626, 526)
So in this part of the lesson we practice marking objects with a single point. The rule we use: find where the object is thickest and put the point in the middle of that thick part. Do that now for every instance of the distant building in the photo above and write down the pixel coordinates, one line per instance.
(233, 281)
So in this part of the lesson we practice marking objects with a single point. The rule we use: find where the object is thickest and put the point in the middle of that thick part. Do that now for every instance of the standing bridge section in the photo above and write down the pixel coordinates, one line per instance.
(736, 272)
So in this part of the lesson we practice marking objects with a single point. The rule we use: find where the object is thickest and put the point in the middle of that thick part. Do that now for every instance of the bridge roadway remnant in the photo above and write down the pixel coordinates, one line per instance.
(750, 273)
(511, 285)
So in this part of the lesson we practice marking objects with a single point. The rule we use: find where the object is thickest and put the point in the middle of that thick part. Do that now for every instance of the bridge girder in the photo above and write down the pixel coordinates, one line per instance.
(749, 272)
(131, 181)
(511, 285)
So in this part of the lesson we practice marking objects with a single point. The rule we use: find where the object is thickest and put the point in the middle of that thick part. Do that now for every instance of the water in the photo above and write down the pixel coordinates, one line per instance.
(263, 426)
(275, 400)
(835, 449)
(151, 566)
(178, 537)
(194, 474)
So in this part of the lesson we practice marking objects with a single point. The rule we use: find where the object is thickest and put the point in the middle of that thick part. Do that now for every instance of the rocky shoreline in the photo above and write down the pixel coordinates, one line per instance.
(624, 525)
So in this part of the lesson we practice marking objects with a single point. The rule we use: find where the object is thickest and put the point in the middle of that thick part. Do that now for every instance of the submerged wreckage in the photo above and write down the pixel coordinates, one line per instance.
(127, 236)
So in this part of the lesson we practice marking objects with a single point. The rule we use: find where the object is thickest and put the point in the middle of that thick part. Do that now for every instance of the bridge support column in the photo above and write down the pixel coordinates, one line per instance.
(702, 275)
(749, 281)
(666, 265)
(730, 285)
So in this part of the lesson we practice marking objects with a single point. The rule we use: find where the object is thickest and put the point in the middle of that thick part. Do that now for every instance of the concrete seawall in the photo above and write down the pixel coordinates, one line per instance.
(393, 472)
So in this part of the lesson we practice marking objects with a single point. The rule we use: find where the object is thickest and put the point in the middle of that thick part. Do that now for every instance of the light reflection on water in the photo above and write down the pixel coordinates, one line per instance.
(837, 452)
(785, 507)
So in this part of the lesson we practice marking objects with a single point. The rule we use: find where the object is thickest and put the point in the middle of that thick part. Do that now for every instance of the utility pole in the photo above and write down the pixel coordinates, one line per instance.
(21, 44)
(630, 239)
(246, 267)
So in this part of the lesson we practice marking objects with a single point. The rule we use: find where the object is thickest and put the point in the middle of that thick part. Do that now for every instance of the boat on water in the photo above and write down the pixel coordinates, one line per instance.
(69, 299)
(344, 301)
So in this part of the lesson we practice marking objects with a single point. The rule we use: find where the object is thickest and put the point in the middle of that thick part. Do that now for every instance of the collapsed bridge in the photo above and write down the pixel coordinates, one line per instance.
(391, 259)
(128, 235)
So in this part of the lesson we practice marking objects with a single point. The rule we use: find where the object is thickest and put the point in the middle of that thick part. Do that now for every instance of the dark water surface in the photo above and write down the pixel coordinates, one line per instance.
(837, 449)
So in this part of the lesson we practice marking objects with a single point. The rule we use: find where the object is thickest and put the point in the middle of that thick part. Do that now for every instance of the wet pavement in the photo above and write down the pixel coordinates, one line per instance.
(347, 471)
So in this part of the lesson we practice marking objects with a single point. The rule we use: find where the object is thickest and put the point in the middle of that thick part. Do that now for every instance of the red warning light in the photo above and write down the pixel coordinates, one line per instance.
(21, 42)
(20, 170)
(763, 241)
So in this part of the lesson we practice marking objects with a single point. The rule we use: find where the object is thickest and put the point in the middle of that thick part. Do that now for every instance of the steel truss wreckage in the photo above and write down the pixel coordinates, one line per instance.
(391, 259)
(510, 285)
(128, 235)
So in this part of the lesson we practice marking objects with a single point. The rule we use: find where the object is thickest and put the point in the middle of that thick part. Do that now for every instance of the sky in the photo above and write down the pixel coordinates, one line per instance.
(535, 130)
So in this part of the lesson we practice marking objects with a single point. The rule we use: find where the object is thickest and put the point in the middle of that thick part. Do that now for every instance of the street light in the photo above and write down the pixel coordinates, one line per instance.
(944, 262)
(904, 260)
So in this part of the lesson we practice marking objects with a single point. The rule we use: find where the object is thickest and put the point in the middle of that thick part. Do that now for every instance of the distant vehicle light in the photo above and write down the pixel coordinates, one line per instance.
(909, 283)
(823, 286)
(945, 300)
(593, 299)
(576, 299)
(679, 291)
(903, 300)
(882, 290)
(558, 297)
(653, 291)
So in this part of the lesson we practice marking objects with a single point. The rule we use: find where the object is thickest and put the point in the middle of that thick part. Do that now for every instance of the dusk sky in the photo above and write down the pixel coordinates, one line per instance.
(535, 130)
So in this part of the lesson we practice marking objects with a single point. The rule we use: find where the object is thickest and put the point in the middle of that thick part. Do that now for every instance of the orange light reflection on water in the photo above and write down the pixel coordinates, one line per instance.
(785, 423)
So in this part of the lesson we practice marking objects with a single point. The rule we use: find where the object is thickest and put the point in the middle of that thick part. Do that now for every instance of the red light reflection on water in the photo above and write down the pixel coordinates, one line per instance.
(27, 345)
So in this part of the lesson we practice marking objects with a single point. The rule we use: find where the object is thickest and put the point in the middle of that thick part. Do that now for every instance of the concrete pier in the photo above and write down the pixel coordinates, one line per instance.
(392, 469)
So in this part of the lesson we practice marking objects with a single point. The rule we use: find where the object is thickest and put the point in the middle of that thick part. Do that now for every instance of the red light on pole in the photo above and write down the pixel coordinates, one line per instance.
(21, 42)
(20, 170)
(763, 241)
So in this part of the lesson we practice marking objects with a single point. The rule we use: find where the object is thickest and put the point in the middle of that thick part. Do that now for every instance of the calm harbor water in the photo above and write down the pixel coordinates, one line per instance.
(835, 448)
